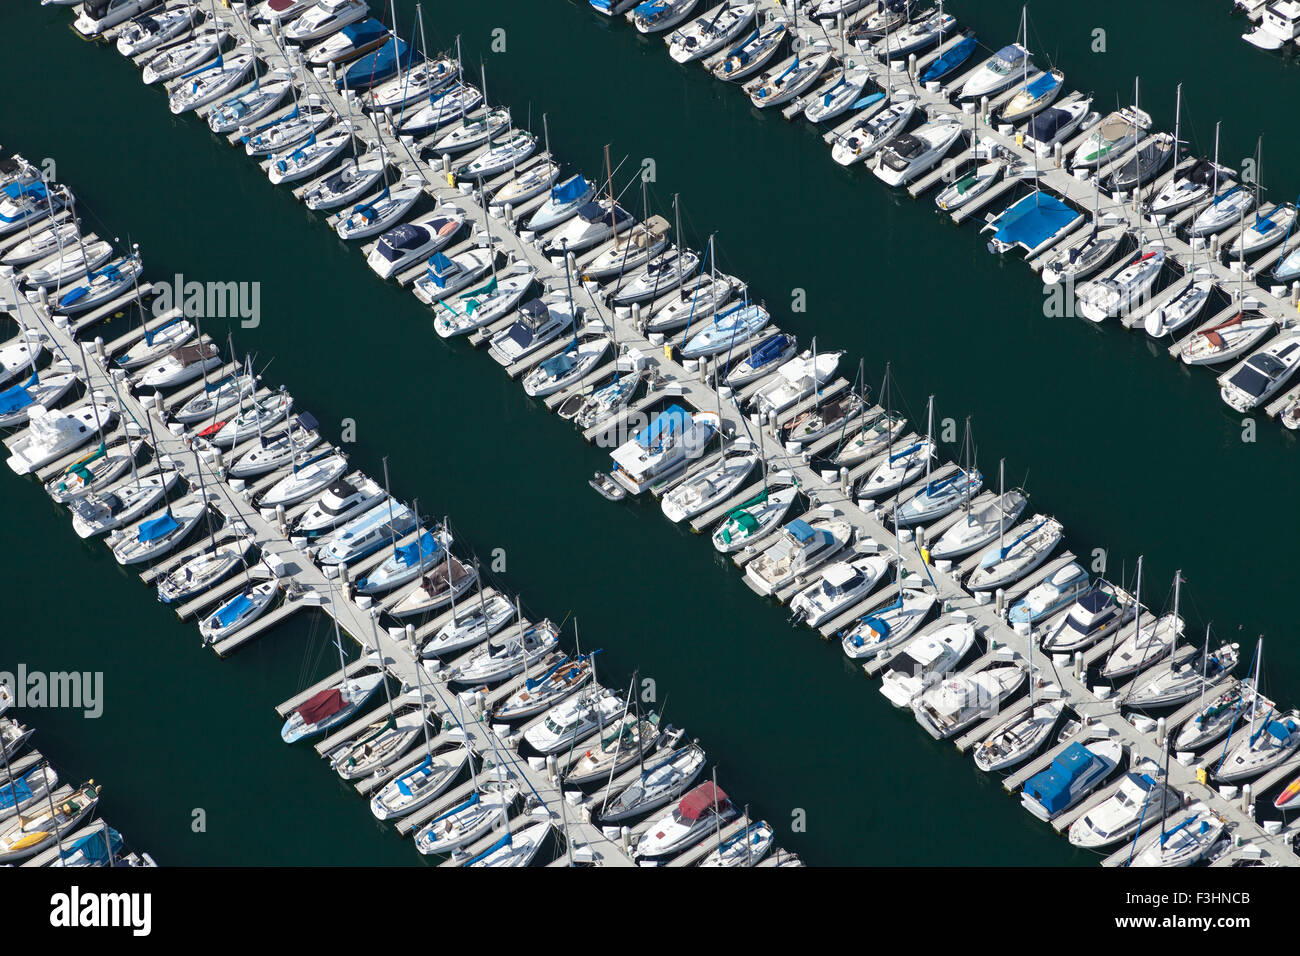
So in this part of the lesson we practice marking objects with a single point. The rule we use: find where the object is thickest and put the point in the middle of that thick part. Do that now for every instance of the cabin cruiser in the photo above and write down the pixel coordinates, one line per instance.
(869, 134)
(572, 721)
(1000, 566)
(280, 11)
(841, 586)
(979, 527)
(1139, 801)
(96, 16)
(908, 156)
(795, 381)
(801, 547)
(950, 706)
(339, 504)
(325, 18)
(925, 660)
(367, 533)
(538, 322)
(180, 366)
(354, 40)
(997, 73)
(1057, 125)
(1060, 589)
(1075, 772)
(698, 813)
(1095, 614)
(53, 433)
(666, 446)
(446, 275)
(1279, 24)
(1262, 375)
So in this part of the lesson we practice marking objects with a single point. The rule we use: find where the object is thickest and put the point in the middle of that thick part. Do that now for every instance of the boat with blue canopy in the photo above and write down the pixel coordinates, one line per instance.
(950, 60)
(1075, 772)
(1032, 224)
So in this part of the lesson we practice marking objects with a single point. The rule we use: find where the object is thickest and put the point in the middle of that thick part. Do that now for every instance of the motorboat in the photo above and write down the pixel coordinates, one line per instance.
(908, 156)
(354, 40)
(1184, 841)
(589, 225)
(239, 611)
(420, 785)
(1075, 772)
(970, 186)
(367, 533)
(1139, 801)
(959, 700)
(1111, 137)
(997, 73)
(1034, 97)
(1279, 25)
(1000, 566)
(1118, 292)
(23, 202)
(801, 547)
(469, 627)
(842, 585)
(774, 89)
(666, 446)
(154, 537)
(330, 707)
(1015, 741)
(925, 660)
(340, 503)
(347, 183)
(698, 813)
(1152, 156)
(96, 16)
(380, 212)
(709, 33)
(571, 721)
(1228, 208)
(869, 134)
(1262, 375)
(325, 18)
(795, 381)
(753, 520)
(890, 626)
(1096, 613)
(920, 34)
(445, 275)
(1031, 224)
(407, 243)
(1225, 341)
(728, 330)
(53, 433)
(538, 322)
(280, 12)
(1058, 590)
(150, 30)
(980, 526)
(179, 367)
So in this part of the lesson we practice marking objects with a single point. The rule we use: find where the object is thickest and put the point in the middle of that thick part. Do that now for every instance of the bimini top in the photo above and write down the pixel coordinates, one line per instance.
(1008, 57)
(19, 190)
(570, 190)
(1033, 220)
(800, 530)
(595, 212)
(1052, 788)
(702, 798)
(670, 420)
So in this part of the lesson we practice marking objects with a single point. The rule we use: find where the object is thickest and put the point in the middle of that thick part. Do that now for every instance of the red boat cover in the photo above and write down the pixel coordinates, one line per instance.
(212, 429)
(700, 799)
(278, 5)
(324, 704)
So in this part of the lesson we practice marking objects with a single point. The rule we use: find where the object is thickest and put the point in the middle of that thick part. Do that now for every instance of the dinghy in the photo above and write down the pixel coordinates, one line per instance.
(1265, 231)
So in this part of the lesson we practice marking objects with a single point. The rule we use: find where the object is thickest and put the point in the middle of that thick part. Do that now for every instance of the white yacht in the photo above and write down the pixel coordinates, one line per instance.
(925, 660)
(801, 547)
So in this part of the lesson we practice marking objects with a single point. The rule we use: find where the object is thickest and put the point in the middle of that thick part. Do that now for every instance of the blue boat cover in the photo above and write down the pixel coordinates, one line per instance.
(651, 8)
(1044, 126)
(416, 551)
(440, 269)
(672, 419)
(364, 32)
(16, 398)
(17, 190)
(94, 848)
(954, 58)
(232, 611)
(1033, 220)
(571, 189)
(801, 530)
(14, 794)
(1041, 86)
(1052, 787)
(156, 528)
(1011, 53)
(375, 66)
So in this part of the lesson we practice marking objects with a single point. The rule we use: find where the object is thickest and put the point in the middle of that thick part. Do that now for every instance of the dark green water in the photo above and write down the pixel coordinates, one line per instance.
(1134, 453)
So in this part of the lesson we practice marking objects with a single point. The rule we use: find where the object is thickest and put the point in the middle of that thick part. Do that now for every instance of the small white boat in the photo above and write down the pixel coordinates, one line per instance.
(709, 33)
(545, 693)
(408, 86)
(210, 82)
(381, 744)
(367, 533)
(1015, 742)
(98, 287)
(900, 468)
(1184, 308)
(215, 398)
(253, 420)
(181, 58)
(466, 822)
(445, 105)
(43, 243)
(180, 366)
(1259, 746)
(504, 658)
(96, 16)
(406, 563)
(698, 813)
(1143, 646)
(531, 178)
(202, 571)
(154, 537)
(329, 707)
(745, 848)
(873, 131)
(476, 308)
(939, 498)
(571, 721)
(871, 439)
(151, 30)
(249, 107)
(95, 472)
(925, 660)
(696, 302)
(1228, 208)
(886, 628)
(631, 248)
(305, 480)
(733, 64)
(1264, 231)
(657, 277)
(1189, 671)
(325, 18)
(727, 332)
(444, 276)
(538, 322)
(1197, 183)
(775, 88)
(565, 200)
(1057, 591)
(997, 73)
(419, 786)
(837, 95)
(505, 154)
(843, 584)
(796, 380)
(656, 16)
(238, 612)
(515, 849)
(568, 367)
(969, 186)
(472, 133)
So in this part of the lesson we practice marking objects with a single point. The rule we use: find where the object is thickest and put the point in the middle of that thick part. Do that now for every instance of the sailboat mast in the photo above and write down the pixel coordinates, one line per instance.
(392, 533)
(929, 437)
(1002, 492)
(1173, 637)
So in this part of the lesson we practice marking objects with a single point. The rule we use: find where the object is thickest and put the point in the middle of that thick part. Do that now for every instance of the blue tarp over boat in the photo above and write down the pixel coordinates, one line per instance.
(377, 66)
(672, 419)
(1033, 220)
(571, 189)
(1053, 787)
(234, 610)
(94, 848)
(954, 58)
(156, 528)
